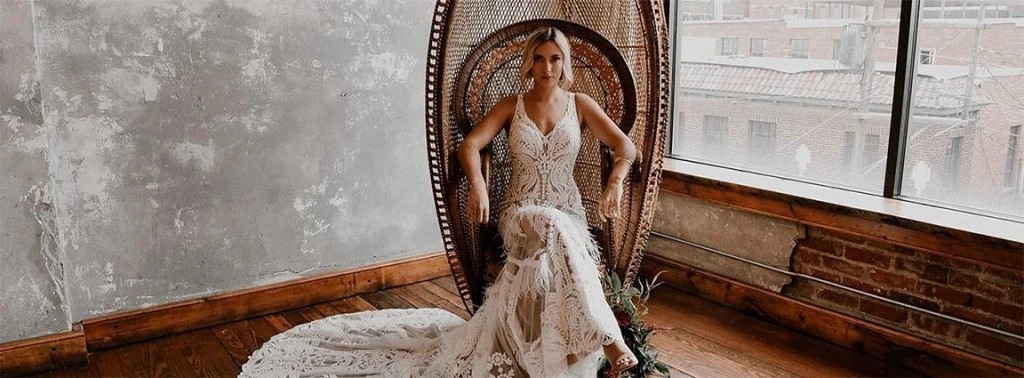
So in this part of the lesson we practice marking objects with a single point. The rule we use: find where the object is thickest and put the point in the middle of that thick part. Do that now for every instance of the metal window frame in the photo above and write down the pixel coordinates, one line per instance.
(900, 112)
(902, 98)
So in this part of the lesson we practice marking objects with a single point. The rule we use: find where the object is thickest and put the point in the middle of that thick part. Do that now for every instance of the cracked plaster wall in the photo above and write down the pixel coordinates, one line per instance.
(167, 149)
(31, 274)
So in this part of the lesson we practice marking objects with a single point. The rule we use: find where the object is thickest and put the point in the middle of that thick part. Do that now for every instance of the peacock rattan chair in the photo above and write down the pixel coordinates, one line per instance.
(620, 58)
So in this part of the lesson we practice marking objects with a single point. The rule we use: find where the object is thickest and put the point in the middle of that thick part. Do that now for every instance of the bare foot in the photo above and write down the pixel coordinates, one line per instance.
(620, 357)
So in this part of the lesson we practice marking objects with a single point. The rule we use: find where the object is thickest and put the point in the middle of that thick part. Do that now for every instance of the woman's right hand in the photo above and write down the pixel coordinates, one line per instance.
(478, 209)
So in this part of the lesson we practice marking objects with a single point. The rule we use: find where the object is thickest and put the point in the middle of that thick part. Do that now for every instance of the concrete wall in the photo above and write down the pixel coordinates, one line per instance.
(32, 287)
(167, 149)
(752, 236)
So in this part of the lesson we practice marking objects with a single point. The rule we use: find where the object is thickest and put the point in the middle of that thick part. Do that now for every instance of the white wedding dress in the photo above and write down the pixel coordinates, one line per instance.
(547, 302)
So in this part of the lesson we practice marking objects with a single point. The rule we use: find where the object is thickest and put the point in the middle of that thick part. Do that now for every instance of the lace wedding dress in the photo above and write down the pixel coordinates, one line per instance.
(547, 302)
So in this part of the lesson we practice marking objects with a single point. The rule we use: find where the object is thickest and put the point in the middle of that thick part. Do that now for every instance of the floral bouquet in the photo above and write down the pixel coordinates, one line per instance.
(629, 304)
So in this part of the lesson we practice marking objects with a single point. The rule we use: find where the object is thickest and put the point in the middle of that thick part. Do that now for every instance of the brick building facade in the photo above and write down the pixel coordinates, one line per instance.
(971, 158)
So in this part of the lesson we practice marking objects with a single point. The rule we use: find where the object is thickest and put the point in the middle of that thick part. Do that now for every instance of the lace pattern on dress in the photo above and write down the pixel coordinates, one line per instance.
(546, 304)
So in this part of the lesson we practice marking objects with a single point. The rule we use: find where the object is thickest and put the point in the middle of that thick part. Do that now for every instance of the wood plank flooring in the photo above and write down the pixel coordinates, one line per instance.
(700, 339)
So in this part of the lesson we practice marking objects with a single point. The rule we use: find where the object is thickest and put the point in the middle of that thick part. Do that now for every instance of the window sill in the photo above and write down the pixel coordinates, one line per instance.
(875, 216)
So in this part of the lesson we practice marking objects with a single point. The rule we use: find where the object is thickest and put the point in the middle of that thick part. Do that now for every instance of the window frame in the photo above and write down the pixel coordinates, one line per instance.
(907, 60)
(806, 48)
(761, 139)
(735, 46)
(928, 54)
(763, 43)
(715, 138)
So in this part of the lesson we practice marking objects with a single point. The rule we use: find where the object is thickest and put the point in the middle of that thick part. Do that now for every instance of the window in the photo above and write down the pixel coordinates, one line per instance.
(785, 117)
(799, 48)
(1012, 161)
(870, 156)
(730, 46)
(716, 130)
(849, 143)
(952, 168)
(758, 46)
(927, 56)
(762, 141)
(830, 121)
(856, 165)
(963, 126)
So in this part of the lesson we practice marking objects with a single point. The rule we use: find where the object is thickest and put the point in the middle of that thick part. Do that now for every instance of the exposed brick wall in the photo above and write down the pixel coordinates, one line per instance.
(979, 293)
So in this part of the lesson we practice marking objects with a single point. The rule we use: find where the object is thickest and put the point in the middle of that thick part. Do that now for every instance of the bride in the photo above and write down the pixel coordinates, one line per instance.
(545, 315)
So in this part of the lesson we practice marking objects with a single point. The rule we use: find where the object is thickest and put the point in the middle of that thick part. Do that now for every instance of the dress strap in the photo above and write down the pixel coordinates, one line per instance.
(572, 105)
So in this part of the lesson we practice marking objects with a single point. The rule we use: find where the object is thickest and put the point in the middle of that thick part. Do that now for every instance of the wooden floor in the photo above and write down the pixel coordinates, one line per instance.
(702, 340)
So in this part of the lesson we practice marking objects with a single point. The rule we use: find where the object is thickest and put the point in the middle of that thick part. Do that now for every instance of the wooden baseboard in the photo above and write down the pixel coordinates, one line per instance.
(51, 351)
(43, 353)
(883, 343)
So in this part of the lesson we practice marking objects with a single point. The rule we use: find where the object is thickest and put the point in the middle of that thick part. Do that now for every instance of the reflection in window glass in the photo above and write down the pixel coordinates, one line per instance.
(967, 110)
(785, 111)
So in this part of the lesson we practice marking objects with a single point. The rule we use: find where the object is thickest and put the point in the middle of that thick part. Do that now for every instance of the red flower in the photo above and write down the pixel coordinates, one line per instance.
(622, 317)
(609, 373)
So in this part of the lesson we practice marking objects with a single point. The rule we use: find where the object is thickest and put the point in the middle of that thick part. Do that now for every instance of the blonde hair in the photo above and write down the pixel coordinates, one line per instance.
(536, 39)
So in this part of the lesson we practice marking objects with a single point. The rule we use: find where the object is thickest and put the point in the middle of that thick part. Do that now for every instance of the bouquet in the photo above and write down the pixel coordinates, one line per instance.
(629, 304)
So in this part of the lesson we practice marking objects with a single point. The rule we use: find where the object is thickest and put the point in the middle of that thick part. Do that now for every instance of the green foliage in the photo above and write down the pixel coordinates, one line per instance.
(629, 304)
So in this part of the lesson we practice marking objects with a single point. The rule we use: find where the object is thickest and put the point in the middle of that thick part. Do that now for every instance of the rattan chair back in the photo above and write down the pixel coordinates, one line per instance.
(619, 57)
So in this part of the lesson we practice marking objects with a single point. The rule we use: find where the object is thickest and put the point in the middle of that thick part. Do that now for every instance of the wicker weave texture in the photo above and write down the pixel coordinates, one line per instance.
(619, 58)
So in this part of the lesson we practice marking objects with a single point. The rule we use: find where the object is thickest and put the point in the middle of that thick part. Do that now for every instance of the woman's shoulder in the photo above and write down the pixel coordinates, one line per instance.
(507, 102)
(505, 108)
(584, 101)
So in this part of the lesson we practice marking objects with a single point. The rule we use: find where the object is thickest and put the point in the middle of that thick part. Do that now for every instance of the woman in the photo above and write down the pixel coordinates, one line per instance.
(546, 314)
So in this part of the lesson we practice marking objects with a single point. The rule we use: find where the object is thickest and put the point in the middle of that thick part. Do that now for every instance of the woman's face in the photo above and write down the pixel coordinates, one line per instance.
(547, 64)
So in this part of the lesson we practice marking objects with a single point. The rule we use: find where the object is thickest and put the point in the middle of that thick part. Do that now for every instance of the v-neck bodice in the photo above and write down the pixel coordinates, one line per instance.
(542, 165)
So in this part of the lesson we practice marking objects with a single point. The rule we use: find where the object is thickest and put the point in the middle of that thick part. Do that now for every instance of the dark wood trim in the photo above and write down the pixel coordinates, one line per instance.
(42, 353)
(957, 244)
(877, 341)
(152, 322)
(52, 351)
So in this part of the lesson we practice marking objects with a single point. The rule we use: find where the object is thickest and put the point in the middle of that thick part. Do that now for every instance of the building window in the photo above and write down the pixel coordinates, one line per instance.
(927, 56)
(799, 48)
(871, 151)
(1012, 161)
(849, 143)
(758, 46)
(716, 129)
(952, 166)
(762, 140)
(730, 46)
(869, 155)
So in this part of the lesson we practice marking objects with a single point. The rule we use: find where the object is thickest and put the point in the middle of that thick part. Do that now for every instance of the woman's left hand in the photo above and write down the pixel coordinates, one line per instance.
(611, 200)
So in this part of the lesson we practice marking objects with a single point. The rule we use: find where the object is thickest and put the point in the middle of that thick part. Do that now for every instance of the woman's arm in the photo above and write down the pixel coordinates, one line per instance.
(469, 156)
(622, 147)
